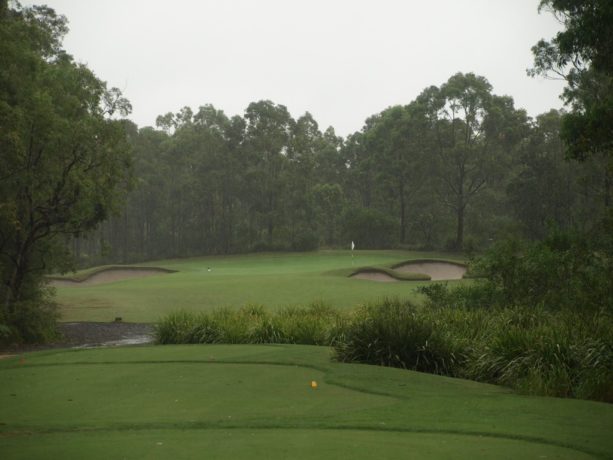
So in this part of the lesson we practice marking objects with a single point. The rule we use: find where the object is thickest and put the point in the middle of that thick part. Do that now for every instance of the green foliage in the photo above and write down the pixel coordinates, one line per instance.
(394, 333)
(369, 228)
(31, 321)
(567, 354)
(64, 163)
(474, 295)
(582, 54)
(317, 324)
(535, 351)
(305, 241)
(565, 271)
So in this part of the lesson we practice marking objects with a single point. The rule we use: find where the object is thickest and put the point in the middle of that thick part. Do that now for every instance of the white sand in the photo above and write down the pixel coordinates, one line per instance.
(437, 270)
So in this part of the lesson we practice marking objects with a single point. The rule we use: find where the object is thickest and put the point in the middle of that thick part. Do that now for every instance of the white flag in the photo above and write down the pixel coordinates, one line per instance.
(352, 246)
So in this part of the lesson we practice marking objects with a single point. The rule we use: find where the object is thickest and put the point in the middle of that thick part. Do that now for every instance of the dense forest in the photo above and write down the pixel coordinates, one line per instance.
(457, 168)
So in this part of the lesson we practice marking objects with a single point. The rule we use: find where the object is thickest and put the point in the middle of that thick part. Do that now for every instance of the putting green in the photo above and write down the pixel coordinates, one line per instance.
(256, 401)
(273, 280)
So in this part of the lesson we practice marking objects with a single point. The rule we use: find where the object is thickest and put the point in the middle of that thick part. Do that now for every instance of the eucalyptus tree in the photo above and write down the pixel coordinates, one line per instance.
(304, 140)
(267, 143)
(471, 135)
(397, 141)
(330, 164)
(543, 190)
(360, 181)
(147, 205)
(582, 55)
(218, 174)
(65, 161)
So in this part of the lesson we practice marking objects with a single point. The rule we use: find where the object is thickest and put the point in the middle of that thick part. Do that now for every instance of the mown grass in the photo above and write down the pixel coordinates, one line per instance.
(274, 280)
(255, 401)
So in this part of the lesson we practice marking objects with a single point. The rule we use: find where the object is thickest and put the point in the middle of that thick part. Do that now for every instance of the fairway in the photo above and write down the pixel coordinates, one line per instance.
(272, 280)
(233, 401)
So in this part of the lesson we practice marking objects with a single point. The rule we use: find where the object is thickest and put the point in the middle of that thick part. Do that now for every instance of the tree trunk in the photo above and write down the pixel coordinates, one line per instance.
(271, 199)
(459, 242)
(13, 291)
(402, 215)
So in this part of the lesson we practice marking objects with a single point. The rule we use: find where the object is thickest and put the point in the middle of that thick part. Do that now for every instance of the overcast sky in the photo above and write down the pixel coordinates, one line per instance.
(341, 60)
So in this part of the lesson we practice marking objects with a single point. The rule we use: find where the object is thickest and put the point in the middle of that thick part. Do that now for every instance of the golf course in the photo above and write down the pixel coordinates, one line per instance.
(273, 280)
(306, 230)
(268, 401)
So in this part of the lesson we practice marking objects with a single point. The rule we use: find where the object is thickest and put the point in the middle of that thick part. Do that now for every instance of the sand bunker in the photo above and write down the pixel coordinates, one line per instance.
(375, 276)
(110, 275)
(437, 270)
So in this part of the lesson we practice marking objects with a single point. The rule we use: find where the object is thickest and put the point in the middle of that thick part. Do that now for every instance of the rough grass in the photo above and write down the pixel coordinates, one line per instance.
(566, 354)
(317, 324)
(237, 401)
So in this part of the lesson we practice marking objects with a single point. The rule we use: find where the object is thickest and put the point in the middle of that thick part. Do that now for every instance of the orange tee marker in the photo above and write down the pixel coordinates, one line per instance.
(313, 384)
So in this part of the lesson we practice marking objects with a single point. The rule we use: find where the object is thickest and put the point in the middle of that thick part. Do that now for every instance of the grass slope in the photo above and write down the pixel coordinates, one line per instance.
(274, 280)
(255, 401)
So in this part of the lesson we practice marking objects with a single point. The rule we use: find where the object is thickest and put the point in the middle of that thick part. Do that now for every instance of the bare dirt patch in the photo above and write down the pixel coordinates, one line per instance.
(375, 276)
(437, 270)
(110, 275)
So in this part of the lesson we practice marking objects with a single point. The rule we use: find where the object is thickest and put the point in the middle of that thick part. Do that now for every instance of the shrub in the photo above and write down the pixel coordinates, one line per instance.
(369, 228)
(475, 295)
(533, 350)
(30, 321)
(566, 270)
(397, 334)
(305, 241)
(565, 354)
(316, 324)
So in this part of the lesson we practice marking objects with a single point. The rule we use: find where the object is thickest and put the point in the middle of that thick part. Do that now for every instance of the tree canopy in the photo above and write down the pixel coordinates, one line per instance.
(64, 161)
(582, 54)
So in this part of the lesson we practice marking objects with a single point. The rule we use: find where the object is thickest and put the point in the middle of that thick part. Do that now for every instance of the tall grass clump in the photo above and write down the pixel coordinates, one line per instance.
(564, 354)
(397, 334)
(316, 324)
(533, 350)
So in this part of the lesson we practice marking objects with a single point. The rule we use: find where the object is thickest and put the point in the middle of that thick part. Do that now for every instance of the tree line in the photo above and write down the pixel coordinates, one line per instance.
(457, 168)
